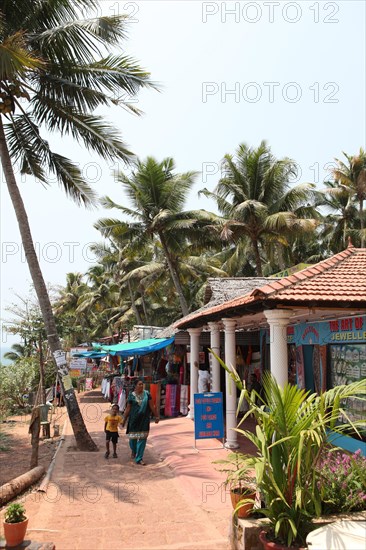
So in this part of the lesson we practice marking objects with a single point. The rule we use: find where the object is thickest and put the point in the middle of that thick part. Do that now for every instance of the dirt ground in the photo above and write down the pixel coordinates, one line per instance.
(15, 445)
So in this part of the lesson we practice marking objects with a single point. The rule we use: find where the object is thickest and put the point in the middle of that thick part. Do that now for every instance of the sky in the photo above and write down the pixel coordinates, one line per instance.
(292, 73)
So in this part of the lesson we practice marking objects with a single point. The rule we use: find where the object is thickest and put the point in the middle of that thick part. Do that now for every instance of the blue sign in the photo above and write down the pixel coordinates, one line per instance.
(208, 415)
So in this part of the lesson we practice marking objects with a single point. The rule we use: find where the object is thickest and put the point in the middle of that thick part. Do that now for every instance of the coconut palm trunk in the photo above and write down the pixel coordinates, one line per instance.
(133, 304)
(83, 439)
(143, 302)
(174, 276)
(362, 224)
(257, 256)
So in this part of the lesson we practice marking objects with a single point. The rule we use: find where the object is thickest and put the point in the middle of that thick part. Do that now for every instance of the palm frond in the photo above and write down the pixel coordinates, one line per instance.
(16, 59)
(34, 154)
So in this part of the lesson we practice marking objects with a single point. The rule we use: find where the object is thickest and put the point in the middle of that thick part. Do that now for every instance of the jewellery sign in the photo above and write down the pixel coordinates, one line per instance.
(208, 415)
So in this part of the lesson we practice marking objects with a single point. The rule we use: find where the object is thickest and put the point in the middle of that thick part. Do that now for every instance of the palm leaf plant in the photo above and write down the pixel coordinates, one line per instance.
(241, 482)
(292, 430)
(56, 69)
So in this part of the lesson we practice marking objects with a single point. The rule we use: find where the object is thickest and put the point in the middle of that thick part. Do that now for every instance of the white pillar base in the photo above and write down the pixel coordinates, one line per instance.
(228, 445)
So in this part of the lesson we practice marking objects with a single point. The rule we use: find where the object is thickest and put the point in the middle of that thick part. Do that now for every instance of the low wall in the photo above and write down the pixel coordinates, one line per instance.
(244, 533)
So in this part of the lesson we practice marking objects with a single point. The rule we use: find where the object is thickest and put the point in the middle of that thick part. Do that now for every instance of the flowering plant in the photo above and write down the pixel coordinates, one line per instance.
(343, 482)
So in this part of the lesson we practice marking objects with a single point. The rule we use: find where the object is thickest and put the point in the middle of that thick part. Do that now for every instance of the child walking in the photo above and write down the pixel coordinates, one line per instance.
(111, 423)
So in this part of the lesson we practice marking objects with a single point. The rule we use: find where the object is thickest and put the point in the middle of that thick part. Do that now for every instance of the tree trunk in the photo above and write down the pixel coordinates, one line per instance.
(19, 484)
(147, 320)
(34, 429)
(83, 440)
(174, 276)
(133, 304)
(281, 261)
(41, 372)
(362, 224)
(258, 261)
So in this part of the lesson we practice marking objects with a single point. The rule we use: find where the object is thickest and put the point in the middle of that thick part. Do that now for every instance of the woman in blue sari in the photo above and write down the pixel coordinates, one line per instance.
(138, 412)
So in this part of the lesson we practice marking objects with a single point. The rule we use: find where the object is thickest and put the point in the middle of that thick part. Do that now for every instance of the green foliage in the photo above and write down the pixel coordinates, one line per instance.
(158, 195)
(61, 86)
(342, 482)
(16, 380)
(238, 475)
(15, 513)
(262, 212)
(239, 478)
(291, 433)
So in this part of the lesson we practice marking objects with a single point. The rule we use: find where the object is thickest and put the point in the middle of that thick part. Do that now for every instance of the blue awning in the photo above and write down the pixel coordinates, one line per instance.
(141, 347)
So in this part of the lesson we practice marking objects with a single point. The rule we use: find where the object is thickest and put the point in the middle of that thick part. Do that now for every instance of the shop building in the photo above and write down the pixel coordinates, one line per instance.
(308, 328)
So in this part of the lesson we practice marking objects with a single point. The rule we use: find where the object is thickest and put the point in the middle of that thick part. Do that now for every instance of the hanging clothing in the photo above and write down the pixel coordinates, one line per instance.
(122, 401)
(203, 381)
(106, 385)
(118, 384)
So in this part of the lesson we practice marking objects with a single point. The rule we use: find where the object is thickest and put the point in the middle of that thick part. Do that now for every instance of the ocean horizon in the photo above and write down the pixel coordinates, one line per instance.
(3, 350)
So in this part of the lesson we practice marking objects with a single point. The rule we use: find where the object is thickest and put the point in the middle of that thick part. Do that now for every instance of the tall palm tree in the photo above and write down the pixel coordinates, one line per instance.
(259, 206)
(158, 195)
(352, 178)
(341, 218)
(55, 70)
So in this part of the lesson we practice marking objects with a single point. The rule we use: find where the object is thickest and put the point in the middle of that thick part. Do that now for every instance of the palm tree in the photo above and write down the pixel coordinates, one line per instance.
(259, 206)
(158, 195)
(55, 71)
(65, 309)
(100, 299)
(18, 351)
(351, 177)
(341, 218)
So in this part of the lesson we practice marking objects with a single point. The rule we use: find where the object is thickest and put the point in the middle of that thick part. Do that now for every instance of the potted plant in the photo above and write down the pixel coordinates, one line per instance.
(15, 524)
(240, 481)
(292, 430)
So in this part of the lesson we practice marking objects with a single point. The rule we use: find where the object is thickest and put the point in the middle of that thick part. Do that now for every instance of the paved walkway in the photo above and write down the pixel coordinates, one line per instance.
(175, 502)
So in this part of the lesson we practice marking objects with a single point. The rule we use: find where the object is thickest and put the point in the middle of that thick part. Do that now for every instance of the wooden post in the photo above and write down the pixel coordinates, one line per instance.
(34, 429)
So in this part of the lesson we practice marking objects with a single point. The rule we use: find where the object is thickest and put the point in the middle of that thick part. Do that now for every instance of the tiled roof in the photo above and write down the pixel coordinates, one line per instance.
(218, 291)
(338, 280)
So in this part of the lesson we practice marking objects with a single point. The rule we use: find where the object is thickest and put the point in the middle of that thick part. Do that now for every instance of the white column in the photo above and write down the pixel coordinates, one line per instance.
(194, 334)
(230, 360)
(215, 366)
(278, 320)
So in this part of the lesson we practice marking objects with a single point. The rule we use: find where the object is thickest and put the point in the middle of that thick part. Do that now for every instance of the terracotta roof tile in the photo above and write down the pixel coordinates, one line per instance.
(339, 279)
(291, 279)
(277, 285)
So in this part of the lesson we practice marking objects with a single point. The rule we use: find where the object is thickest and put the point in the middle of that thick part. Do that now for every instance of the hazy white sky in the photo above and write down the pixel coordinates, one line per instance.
(292, 73)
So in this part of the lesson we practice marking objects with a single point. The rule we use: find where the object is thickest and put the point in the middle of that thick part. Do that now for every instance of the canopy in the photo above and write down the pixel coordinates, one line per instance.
(141, 347)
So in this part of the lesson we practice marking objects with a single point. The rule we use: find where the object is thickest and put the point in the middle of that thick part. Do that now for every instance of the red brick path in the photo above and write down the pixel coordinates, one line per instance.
(175, 502)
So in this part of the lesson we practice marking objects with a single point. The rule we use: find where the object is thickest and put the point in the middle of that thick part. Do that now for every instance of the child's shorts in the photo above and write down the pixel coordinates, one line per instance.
(112, 436)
